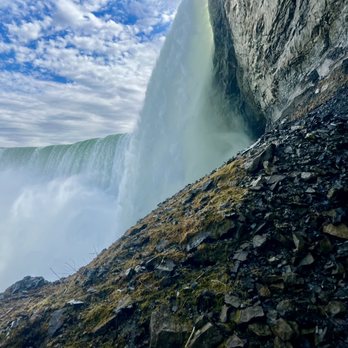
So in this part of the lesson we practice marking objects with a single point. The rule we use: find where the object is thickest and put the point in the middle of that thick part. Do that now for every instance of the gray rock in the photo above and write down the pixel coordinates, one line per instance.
(261, 330)
(208, 336)
(307, 176)
(307, 260)
(224, 314)
(233, 301)
(248, 314)
(129, 273)
(283, 330)
(166, 266)
(26, 284)
(56, 322)
(264, 155)
(207, 185)
(275, 179)
(162, 245)
(280, 50)
(241, 256)
(235, 342)
(197, 240)
(166, 330)
(75, 303)
(259, 240)
(105, 325)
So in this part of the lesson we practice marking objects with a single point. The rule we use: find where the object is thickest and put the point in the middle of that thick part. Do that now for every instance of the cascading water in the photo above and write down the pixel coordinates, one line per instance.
(59, 204)
(57, 207)
(186, 128)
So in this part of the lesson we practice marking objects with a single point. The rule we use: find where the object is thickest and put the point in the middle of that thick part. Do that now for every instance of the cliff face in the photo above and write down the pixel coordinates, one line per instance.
(284, 52)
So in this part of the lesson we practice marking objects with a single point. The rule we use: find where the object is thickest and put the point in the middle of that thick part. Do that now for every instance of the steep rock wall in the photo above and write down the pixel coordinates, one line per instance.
(282, 53)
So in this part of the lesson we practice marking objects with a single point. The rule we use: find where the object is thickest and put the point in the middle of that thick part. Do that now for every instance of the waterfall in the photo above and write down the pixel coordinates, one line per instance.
(186, 128)
(60, 205)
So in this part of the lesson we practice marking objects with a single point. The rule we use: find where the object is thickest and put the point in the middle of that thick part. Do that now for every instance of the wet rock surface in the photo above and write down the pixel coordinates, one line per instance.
(258, 258)
(282, 54)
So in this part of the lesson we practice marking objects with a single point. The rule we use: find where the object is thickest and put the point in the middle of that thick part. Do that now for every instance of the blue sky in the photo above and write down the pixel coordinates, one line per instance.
(76, 69)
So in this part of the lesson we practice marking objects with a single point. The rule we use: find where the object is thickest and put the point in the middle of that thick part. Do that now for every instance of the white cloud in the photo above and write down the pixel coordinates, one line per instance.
(104, 64)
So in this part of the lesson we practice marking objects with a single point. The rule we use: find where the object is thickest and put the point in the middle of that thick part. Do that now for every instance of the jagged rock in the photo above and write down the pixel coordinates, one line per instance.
(275, 179)
(201, 321)
(307, 176)
(75, 303)
(298, 241)
(307, 260)
(235, 342)
(166, 266)
(224, 314)
(301, 44)
(233, 301)
(261, 330)
(207, 185)
(121, 314)
(335, 308)
(129, 273)
(259, 240)
(283, 330)
(340, 231)
(162, 245)
(94, 275)
(285, 308)
(263, 290)
(246, 315)
(26, 284)
(56, 321)
(241, 256)
(208, 336)
(265, 155)
(197, 240)
(166, 330)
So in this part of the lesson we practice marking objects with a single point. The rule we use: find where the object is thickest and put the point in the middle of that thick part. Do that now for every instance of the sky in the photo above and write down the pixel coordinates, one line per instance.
(76, 69)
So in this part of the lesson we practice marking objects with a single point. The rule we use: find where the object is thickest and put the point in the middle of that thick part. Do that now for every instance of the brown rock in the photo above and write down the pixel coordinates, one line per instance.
(340, 231)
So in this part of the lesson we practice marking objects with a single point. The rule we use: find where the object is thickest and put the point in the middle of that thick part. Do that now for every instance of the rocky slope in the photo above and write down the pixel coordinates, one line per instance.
(254, 254)
(281, 53)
